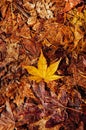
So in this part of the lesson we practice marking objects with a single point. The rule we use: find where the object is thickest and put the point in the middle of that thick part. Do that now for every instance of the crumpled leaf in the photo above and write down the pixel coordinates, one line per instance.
(71, 4)
(41, 123)
(43, 72)
(78, 36)
(6, 119)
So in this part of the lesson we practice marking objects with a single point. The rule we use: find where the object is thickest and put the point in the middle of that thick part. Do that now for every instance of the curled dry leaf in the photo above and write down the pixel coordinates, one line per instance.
(71, 4)
(7, 120)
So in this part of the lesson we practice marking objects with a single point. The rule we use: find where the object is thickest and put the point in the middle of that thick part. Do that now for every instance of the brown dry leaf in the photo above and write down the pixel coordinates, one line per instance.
(78, 77)
(41, 123)
(77, 19)
(78, 36)
(18, 92)
(9, 24)
(43, 72)
(82, 74)
(71, 4)
(6, 120)
(31, 47)
(24, 32)
(22, 92)
(54, 34)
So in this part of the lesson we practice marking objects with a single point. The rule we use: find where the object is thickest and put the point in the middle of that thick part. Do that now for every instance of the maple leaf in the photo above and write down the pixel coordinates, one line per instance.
(43, 72)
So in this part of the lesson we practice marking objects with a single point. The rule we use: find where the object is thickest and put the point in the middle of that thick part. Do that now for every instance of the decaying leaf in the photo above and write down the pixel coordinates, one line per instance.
(43, 72)
(7, 120)
(42, 123)
(71, 4)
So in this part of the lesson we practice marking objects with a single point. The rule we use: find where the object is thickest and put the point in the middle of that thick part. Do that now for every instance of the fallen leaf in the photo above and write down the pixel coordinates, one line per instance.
(71, 4)
(43, 72)
(41, 123)
(6, 119)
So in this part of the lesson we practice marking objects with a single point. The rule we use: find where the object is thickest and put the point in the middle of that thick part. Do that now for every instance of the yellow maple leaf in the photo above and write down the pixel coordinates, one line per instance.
(43, 72)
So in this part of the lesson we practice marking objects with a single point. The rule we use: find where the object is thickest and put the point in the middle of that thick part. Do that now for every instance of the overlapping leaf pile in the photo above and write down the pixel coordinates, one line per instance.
(42, 65)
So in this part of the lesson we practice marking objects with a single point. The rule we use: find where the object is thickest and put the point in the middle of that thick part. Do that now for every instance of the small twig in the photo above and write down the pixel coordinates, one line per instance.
(21, 10)
(2, 106)
(61, 105)
(69, 108)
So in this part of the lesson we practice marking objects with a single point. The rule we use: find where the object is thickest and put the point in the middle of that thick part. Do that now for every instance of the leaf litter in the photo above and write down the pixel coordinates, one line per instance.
(42, 65)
